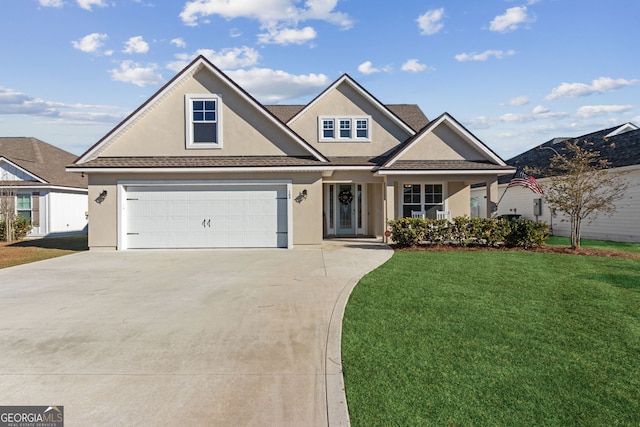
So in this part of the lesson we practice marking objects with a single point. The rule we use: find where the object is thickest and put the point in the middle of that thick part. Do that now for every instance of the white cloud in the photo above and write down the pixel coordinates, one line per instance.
(518, 101)
(265, 11)
(13, 102)
(225, 59)
(50, 3)
(511, 20)
(588, 111)
(498, 54)
(136, 45)
(413, 65)
(368, 68)
(90, 43)
(132, 72)
(539, 109)
(287, 36)
(88, 4)
(600, 85)
(431, 21)
(179, 42)
(272, 86)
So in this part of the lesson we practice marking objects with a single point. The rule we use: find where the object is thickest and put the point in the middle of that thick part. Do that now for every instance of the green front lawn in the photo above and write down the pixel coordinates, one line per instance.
(494, 339)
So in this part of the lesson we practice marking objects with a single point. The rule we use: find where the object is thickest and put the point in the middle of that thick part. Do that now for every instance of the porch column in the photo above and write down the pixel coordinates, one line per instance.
(389, 202)
(492, 196)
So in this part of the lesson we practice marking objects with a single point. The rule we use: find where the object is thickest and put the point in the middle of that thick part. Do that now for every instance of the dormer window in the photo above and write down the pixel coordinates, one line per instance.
(349, 129)
(203, 121)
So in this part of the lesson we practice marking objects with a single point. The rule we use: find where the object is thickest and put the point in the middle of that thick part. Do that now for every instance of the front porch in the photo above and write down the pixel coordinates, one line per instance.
(354, 208)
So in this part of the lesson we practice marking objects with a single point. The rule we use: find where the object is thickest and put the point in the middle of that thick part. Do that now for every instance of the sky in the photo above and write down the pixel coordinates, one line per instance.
(515, 73)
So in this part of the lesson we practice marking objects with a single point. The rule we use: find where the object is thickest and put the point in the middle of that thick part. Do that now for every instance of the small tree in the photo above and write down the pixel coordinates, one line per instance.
(582, 187)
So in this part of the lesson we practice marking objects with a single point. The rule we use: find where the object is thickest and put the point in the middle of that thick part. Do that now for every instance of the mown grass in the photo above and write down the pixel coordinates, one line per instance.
(494, 339)
(26, 251)
(596, 244)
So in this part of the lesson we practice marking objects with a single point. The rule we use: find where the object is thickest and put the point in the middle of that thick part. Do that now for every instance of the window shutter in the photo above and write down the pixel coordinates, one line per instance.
(35, 209)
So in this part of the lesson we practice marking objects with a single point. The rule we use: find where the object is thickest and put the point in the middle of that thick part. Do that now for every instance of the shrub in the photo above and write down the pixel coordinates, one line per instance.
(465, 231)
(526, 234)
(21, 226)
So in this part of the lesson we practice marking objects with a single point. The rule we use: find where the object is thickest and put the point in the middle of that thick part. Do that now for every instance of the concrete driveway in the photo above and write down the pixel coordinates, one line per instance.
(189, 337)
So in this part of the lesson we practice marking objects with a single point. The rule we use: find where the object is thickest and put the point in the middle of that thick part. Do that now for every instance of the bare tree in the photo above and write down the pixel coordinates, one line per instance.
(582, 187)
(7, 205)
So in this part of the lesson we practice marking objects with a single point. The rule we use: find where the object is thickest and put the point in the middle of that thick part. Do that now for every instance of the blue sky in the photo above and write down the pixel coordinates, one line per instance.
(515, 72)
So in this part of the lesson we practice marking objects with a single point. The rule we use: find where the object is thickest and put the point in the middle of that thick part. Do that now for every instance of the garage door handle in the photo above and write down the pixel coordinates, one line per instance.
(204, 222)
(209, 223)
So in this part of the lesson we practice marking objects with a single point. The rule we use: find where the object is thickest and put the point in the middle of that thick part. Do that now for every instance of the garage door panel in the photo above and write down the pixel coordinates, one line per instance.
(206, 216)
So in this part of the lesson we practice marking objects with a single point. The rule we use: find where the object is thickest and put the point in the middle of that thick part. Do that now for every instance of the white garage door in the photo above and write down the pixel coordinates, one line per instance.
(217, 216)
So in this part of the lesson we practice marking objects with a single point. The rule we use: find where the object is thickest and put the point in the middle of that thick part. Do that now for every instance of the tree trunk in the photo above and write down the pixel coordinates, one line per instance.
(575, 232)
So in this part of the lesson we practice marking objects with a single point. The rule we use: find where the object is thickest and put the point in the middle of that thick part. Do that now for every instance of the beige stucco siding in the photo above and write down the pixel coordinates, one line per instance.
(442, 144)
(103, 216)
(458, 200)
(160, 129)
(346, 102)
(306, 215)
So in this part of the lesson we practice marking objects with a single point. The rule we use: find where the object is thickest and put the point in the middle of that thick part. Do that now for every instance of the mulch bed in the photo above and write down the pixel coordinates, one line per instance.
(544, 249)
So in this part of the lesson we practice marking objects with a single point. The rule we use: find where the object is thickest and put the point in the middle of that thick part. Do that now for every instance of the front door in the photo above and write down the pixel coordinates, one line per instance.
(346, 209)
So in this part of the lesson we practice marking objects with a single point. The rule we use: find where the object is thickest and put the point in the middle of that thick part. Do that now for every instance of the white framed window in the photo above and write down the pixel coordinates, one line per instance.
(422, 197)
(203, 118)
(328, 128)
(23, 206)
(344, 129)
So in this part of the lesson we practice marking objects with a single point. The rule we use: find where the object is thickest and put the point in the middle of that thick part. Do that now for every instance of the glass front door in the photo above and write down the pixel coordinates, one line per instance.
(346, 209)
(344, 213)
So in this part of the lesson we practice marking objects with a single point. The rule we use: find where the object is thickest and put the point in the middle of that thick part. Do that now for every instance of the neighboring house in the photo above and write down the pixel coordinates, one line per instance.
(203, 164)
(619, 145)
(33, 173)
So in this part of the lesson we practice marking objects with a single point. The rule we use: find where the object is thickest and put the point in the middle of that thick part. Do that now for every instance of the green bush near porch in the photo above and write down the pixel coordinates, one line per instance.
(494, 338)
(21, 227)
(463, 231)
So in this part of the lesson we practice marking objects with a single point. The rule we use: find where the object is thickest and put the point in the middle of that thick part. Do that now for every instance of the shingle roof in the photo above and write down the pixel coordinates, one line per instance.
(447, 165)
(198, 162)
(620, 150)
(411, 114)
(42, 160)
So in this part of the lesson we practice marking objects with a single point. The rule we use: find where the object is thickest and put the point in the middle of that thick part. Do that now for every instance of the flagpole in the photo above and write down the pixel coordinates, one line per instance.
(505, 190)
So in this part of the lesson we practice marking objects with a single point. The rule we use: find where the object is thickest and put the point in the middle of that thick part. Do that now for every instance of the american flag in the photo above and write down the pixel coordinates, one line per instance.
(522, 179)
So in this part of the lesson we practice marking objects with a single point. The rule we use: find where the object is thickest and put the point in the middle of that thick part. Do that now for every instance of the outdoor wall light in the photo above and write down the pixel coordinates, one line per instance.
(101, 197)
(302, 196)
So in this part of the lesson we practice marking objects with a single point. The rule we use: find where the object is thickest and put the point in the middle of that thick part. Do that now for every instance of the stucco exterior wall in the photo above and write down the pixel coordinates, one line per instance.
(442, 144)
(306, 215)
(458, 198)
(160, 131)
(344, 101)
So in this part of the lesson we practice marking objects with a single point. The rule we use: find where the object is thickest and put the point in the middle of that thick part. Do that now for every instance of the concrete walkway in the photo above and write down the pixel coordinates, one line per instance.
(189, 337)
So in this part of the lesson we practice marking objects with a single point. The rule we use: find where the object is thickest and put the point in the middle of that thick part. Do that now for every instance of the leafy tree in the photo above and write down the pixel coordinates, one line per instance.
(581, 186)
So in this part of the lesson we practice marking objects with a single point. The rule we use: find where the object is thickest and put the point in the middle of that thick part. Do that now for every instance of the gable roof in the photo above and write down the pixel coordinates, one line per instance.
(411, 114)
(491, 156)
(45, 162)
(346, 79)
(620, 145)
(196, 65)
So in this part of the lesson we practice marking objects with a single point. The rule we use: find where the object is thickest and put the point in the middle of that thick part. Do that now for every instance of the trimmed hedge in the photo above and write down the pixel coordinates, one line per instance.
(465, 231)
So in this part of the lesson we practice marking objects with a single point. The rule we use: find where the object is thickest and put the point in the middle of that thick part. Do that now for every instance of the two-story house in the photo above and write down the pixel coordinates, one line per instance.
(204, 164)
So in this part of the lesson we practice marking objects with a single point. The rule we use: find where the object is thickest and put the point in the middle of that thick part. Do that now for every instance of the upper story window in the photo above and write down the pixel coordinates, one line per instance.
(344, 129)
(203, 121)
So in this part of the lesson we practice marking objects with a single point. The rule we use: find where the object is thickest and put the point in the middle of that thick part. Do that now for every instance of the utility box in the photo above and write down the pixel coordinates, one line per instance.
(537, 207)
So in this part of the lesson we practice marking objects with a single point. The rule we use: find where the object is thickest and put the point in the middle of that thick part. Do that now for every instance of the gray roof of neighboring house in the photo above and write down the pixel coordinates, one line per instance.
(411, 114)
(42, 160)
(620, 150)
